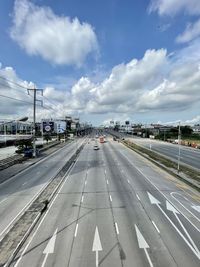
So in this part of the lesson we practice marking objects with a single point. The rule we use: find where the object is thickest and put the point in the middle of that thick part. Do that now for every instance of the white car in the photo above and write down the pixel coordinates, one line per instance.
(96, 147)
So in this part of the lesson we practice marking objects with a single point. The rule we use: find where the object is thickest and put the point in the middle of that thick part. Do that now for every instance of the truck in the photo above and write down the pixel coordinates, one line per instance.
(101, 139)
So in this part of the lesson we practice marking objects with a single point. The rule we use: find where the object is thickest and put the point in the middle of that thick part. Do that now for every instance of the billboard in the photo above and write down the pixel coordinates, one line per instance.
(60, 126)
(47, 126)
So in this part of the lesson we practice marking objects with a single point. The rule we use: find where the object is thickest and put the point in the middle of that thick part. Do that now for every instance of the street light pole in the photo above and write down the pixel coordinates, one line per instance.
(179, 146)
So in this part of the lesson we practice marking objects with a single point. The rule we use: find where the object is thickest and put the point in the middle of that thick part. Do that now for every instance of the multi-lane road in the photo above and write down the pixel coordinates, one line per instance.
(18, 192)
(115, 208)
(188, 155)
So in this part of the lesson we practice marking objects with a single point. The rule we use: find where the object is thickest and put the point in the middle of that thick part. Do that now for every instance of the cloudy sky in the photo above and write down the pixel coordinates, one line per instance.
(101, 60)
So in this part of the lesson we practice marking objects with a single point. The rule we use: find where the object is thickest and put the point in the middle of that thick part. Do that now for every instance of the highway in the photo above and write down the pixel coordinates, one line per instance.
(189, 156)
(18, 192)
(115, 208)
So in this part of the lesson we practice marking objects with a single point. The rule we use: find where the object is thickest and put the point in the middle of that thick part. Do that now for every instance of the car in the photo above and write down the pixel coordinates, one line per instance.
(96, 147)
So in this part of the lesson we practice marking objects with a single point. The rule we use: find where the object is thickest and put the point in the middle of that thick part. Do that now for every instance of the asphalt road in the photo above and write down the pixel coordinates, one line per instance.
(116, 209)
(19, 191)
(189, 156)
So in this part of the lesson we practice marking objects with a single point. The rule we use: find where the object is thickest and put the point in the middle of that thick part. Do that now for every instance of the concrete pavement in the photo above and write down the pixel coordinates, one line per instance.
(20, 190)
(117, 209)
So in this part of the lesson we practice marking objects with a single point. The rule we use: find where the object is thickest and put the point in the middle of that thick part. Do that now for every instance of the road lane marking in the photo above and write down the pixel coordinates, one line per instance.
(50, 247)
(105, 171)
(107, 182)
(128, 181)
(97, 245)
(45, 215)
(3, 200)
(85, 182)
(116, 227)
(138, 197)
(156, 227)
(175, 212)
(143, 244)
(158, 189)
(110, 198)
(82, 199)
(24, 183)
(76, 230)
(172, 194)
(153, 200)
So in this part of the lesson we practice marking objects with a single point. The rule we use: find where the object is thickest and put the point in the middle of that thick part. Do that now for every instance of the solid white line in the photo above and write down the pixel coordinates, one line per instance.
(82, 199)
(160, 191)
(156, 227)
(45, 259)
(110, 198)
(183, 205)
(148, 258)
(186, 241)
(116, 227)
(107, 182)
(138, 197)
(189, 237)
(35, 164)
(76, 230)
(3, 200)
(30, 240)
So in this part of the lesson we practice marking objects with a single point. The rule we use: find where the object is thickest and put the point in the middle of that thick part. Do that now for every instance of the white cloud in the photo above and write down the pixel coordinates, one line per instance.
(191, 32)
(158, 83)
(57, 39)
(172, 7)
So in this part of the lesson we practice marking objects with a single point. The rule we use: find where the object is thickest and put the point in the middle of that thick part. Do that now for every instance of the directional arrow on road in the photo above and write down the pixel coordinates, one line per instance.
(97, 245)
(152, 199)
(174, 210)
(143, 244)
(197, 208)
(50, 247)
(141, 241)
(171, 208)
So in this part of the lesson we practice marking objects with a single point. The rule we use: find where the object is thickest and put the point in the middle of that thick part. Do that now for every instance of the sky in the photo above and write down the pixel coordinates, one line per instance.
(101, 60)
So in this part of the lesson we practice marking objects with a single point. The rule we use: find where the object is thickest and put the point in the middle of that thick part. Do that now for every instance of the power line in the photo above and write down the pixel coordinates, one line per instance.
(17, 84)
(16, 99)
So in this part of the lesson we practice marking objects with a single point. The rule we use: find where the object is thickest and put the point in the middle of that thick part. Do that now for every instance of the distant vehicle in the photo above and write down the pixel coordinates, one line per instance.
(96, 136)
(96, 147)
(101, 139)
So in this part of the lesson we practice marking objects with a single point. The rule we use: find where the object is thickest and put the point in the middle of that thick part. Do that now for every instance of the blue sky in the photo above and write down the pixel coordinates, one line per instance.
(102, 60)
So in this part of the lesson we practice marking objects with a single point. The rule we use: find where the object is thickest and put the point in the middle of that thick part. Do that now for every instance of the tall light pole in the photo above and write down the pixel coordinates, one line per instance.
(179, 146)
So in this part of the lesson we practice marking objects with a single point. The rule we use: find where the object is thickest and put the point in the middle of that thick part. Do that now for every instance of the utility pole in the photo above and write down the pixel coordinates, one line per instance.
(179, 146)
(34, 115)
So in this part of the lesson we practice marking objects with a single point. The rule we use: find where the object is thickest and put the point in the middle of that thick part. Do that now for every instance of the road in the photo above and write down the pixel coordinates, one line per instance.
(20, 190)
(189, 156)
(116, 209)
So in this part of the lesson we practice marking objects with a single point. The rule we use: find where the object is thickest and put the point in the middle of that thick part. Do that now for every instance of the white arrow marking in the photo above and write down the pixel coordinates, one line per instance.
(143, 244)
(50, 247)
(153, 200)
(197, 208)
(141, 241)
(97, 245)
(171, 208)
